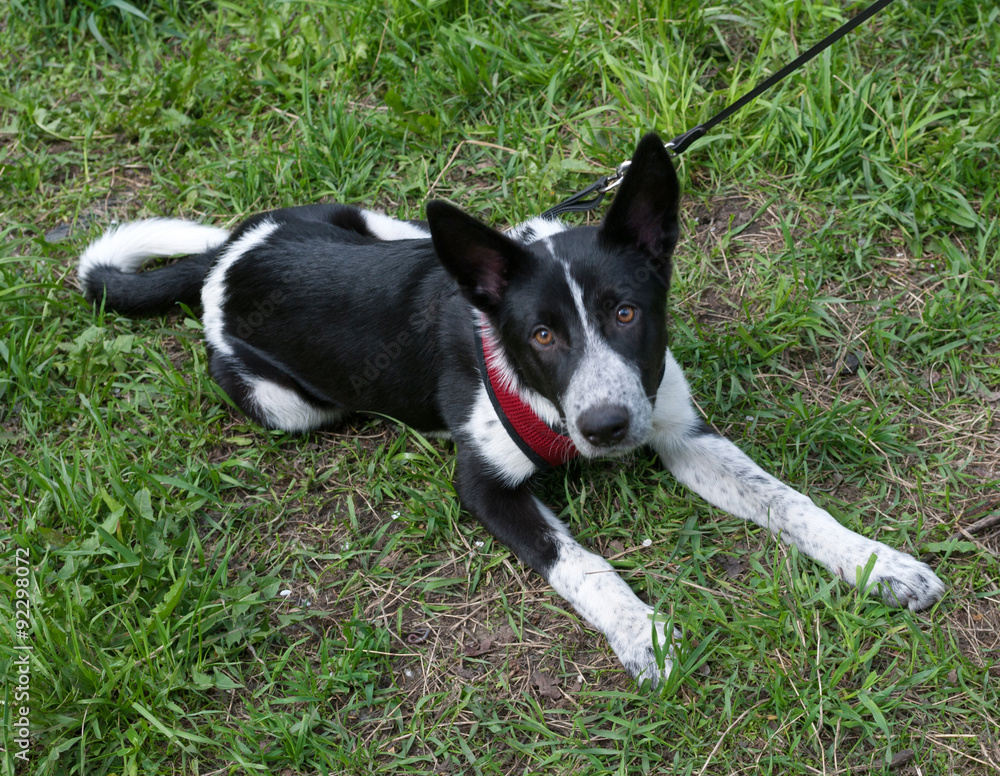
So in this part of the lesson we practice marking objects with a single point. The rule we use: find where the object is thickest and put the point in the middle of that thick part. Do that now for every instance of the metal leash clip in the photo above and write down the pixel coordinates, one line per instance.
(596, 191)
(615, 179)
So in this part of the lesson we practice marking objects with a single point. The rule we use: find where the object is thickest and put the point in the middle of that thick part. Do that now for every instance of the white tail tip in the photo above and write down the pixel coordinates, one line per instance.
(129, 246)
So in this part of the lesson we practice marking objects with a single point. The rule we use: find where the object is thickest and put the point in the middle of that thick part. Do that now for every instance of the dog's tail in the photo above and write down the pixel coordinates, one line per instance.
(109, 267)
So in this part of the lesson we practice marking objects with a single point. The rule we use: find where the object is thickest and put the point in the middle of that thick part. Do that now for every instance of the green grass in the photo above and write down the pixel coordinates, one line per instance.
(210, 598)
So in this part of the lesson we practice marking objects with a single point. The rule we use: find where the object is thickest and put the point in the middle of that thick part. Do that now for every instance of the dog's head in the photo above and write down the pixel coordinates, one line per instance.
(579, 314)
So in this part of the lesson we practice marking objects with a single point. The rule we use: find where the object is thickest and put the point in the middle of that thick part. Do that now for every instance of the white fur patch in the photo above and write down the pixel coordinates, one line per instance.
(285, 409)
(129, 246)
(386, 228)
(673, 414)
(213, 292)
(494, 445)
(536, 228)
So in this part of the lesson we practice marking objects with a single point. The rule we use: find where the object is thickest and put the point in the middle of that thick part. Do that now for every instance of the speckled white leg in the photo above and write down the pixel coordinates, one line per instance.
(589, 583)
(724, 476)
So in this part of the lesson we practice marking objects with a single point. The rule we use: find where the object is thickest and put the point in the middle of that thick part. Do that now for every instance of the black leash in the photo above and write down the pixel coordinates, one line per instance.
(594, 194)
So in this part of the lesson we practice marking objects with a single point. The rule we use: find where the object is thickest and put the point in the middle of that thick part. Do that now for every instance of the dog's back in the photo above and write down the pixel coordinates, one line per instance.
(109, 267)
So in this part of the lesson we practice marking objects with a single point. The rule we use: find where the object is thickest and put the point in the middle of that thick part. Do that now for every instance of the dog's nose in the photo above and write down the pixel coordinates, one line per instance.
(604, 425)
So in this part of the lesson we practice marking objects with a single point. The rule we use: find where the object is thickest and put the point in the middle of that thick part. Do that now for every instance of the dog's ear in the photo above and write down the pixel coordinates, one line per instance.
(644, 212)
(480, 259)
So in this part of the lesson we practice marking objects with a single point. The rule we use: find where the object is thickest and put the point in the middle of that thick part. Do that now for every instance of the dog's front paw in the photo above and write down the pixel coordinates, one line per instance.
(637, 653)
(902, 580)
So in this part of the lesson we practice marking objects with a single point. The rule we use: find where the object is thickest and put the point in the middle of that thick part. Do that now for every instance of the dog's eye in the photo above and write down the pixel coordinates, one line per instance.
(626, 314)
(543, 337)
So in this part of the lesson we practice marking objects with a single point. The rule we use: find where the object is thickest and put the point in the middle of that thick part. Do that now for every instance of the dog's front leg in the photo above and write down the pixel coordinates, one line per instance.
(587, 581)
(724, 476)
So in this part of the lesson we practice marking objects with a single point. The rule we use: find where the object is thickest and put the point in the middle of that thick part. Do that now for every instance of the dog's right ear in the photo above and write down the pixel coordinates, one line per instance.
(481, 259)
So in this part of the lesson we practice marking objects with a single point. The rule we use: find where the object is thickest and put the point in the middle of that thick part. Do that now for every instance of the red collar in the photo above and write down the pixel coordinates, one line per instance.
(543, 446)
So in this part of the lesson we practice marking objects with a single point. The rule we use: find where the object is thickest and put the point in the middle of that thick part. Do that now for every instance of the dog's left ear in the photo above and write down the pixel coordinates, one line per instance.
(644, 212)
(481, 259)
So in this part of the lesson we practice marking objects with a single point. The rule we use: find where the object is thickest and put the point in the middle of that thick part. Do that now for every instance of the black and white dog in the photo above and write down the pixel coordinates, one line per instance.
(528, 348)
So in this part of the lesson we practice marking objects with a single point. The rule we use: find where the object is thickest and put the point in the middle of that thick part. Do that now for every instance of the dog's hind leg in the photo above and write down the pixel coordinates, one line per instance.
(724, 476)
(269, 395)
(587, 581)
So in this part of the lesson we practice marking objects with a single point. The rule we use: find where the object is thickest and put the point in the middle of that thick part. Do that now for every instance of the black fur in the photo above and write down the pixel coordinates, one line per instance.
(150, 293)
